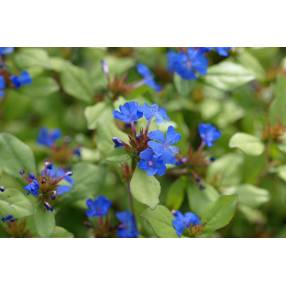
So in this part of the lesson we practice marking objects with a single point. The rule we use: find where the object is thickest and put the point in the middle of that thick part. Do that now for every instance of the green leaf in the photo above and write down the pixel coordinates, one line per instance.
(228, 76)
(76, 82)
(250, 195)
(33, 57)
(251, 63)
(249, 144)
(60, 232)
(145, 189)
(15, 155)
(175, 194)
(200, 201)
(226, 171)
(44, 221)
(277, 109)
(219, 213)
(87, 179)
(93, 114)
(160, 219)
(14, 202)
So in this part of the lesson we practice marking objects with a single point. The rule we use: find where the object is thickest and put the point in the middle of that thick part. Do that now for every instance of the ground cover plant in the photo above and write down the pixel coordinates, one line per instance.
(142, 142)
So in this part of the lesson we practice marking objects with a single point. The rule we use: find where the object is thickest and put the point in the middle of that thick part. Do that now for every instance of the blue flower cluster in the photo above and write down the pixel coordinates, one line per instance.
(192, 62)
(209, 134)
(183, 222)
(51, 183)
(17, 81)
(148, 77)
(159, 149)
(100, 208)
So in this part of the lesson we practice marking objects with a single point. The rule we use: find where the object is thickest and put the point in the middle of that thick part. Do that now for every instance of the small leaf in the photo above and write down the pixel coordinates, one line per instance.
(145, 189)
(14, 202)
(76, 82)
(249, 144)
(175, 194)
(160, 219)
(250, 195)
(33, 57)
(15, 155)
(44, 221)
(228, 76)
(219, 213)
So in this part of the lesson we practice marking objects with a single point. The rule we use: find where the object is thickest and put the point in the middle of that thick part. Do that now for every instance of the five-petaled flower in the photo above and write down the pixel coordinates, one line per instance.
(209, 134)
(148, 77)
(181, 222)
(188, 64)
(99, 207)
(151, 164)
(128, 112)
(162, 145)
(127, 227)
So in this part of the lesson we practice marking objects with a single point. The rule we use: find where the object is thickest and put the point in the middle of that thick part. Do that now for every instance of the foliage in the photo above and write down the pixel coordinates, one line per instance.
(142, 142)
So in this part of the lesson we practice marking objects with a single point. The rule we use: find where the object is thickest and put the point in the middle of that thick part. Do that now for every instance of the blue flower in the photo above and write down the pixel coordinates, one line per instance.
(182, 222)
(64, 181)
(33, 187)
(8, 218)
(98, 207)
(5, 51)
(117, 142)
(163, 146)
(2, 85)
(148, 77)
(154, 110)
(188, 64)
(129, 112)
(23, 79)
(127, 227)
(151, 164)
(48, 137)
(208, 133)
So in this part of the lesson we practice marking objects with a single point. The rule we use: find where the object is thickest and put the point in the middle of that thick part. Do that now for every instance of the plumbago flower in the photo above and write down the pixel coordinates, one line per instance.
(187, 221)
(209, 134)
(51, 183)
(61, 152)
(127, 227)
(148, 77)
(191, 62)
(9, 80)
(152, 150)
(99, 209)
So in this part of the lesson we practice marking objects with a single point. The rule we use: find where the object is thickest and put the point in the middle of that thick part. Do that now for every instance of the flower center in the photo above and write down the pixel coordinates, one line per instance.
(150, 163)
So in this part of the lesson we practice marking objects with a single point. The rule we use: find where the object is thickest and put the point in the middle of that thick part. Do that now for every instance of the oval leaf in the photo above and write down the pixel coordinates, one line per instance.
(160, 219)
(15, 155)
(14, 202)
(249, 144)
(44, 222)
(220, 213)
(145, 189)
